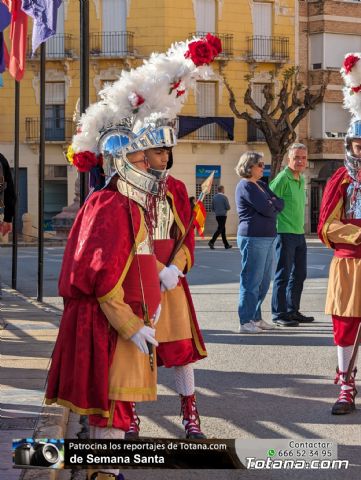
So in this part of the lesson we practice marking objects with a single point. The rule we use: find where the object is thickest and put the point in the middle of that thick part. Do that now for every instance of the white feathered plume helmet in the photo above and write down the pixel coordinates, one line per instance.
(351, 74)
(156, 89)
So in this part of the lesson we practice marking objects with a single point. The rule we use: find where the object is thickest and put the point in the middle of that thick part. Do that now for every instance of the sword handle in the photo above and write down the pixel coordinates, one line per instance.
(150, 346)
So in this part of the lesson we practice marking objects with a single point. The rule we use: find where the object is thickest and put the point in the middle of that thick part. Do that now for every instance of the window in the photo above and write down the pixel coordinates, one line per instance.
(328, 50)
(337, 120)
(55, 47)
(316, 51)
(206, 107)
(329, 120)
(253, 133)
(315, 126)
(55, 111)
(205, 15)
(262, 30)
(114, 26)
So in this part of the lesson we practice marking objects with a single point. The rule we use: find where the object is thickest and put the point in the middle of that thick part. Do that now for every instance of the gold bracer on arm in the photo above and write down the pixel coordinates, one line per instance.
(120, 316)
(339, 232)
(180, 259)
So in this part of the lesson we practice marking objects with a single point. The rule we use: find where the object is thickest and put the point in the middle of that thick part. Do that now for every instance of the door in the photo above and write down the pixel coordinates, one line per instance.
(317, 188)
(114, 26)
(55, 111)
(205, 16)
(55, 199)
(55, 47)
(262, 30)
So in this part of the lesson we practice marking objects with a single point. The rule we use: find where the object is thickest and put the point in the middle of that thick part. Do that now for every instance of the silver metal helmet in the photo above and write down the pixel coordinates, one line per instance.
(116, 142)
(354, 132)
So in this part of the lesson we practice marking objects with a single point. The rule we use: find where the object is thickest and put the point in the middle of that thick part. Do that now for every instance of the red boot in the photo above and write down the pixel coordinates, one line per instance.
(346, 400)
(191, 420)
(134, 429)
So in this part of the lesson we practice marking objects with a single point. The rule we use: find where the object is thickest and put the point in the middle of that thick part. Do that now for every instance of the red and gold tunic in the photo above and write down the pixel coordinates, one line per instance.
(94, 363)
(180, 339)
(343, 235)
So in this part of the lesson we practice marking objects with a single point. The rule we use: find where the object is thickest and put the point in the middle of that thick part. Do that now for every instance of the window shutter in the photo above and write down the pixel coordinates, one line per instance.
(55, 93)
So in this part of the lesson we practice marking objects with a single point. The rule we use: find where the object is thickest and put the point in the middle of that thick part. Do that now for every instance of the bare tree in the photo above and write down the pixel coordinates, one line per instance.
(281, 112)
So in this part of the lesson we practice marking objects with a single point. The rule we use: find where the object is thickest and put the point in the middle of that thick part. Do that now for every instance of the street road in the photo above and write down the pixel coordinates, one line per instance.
(277, 384)
(212, 267)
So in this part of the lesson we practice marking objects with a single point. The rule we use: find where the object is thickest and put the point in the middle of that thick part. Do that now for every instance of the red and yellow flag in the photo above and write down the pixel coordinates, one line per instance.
(199, 215)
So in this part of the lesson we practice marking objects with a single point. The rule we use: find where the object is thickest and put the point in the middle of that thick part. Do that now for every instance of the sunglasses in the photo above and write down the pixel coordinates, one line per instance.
(260, 164)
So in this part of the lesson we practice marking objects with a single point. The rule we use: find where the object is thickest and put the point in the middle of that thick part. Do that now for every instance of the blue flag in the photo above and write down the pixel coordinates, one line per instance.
(44, 13)
(5, 17)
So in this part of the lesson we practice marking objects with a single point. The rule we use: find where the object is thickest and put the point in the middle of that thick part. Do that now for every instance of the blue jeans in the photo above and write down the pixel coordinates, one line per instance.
(256, 272)
(291, 272)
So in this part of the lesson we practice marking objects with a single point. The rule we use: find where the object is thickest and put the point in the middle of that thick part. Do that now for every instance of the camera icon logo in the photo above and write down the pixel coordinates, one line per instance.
(37, 453)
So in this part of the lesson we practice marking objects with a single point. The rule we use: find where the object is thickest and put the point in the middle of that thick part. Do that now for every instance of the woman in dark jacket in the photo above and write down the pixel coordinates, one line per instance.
(257, 208)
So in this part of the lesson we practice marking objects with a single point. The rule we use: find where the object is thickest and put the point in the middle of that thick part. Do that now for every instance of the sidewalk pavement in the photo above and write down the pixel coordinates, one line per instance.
(28, 330)
(273, 385)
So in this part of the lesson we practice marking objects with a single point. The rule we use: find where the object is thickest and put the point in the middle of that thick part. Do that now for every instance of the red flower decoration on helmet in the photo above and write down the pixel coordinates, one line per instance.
(203, 51)
(85, 161)
(349, 62)
(215, 43)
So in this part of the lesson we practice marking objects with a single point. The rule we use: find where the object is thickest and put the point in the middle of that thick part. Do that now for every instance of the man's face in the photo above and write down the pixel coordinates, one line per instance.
(356, 148)
(138, 160)
(157, 158)
(297, 159)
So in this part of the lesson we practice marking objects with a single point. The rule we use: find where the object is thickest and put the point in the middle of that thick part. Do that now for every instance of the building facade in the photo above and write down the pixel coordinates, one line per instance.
(328, 30)
(257, 36)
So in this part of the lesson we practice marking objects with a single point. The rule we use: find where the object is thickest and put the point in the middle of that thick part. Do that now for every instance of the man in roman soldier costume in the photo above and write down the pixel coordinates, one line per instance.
(103, 359)
(340, 228)
(180, 340)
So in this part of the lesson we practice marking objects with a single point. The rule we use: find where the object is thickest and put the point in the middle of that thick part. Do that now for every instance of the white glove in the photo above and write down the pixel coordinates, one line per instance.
(169, 277)
(144, 335)
(156, 316)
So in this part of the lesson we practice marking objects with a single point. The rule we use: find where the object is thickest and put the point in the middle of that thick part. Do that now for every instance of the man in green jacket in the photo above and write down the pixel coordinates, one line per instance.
(291, 250)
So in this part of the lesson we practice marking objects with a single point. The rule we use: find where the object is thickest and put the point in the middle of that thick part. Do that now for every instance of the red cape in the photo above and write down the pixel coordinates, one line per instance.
(332, 202)
(97, 258)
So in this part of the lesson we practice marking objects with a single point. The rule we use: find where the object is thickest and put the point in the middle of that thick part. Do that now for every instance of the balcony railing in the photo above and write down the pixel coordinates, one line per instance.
(263, 49)
(56, 129)
(208, 133)
(58, 46)
(226, 39)
(254, 134)
(112, 44)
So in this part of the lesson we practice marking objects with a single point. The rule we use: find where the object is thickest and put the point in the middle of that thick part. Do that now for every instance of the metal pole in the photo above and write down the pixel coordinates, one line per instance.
(41, 174)
(14, 270)
(84, 78)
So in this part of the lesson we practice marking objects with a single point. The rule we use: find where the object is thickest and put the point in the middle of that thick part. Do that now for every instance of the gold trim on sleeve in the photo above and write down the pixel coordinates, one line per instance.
(332, 216)
(177, 219)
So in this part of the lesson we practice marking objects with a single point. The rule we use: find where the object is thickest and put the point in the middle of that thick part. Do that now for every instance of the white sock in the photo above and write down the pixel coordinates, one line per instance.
(344, 357)
(107, 433)
(184, 379)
